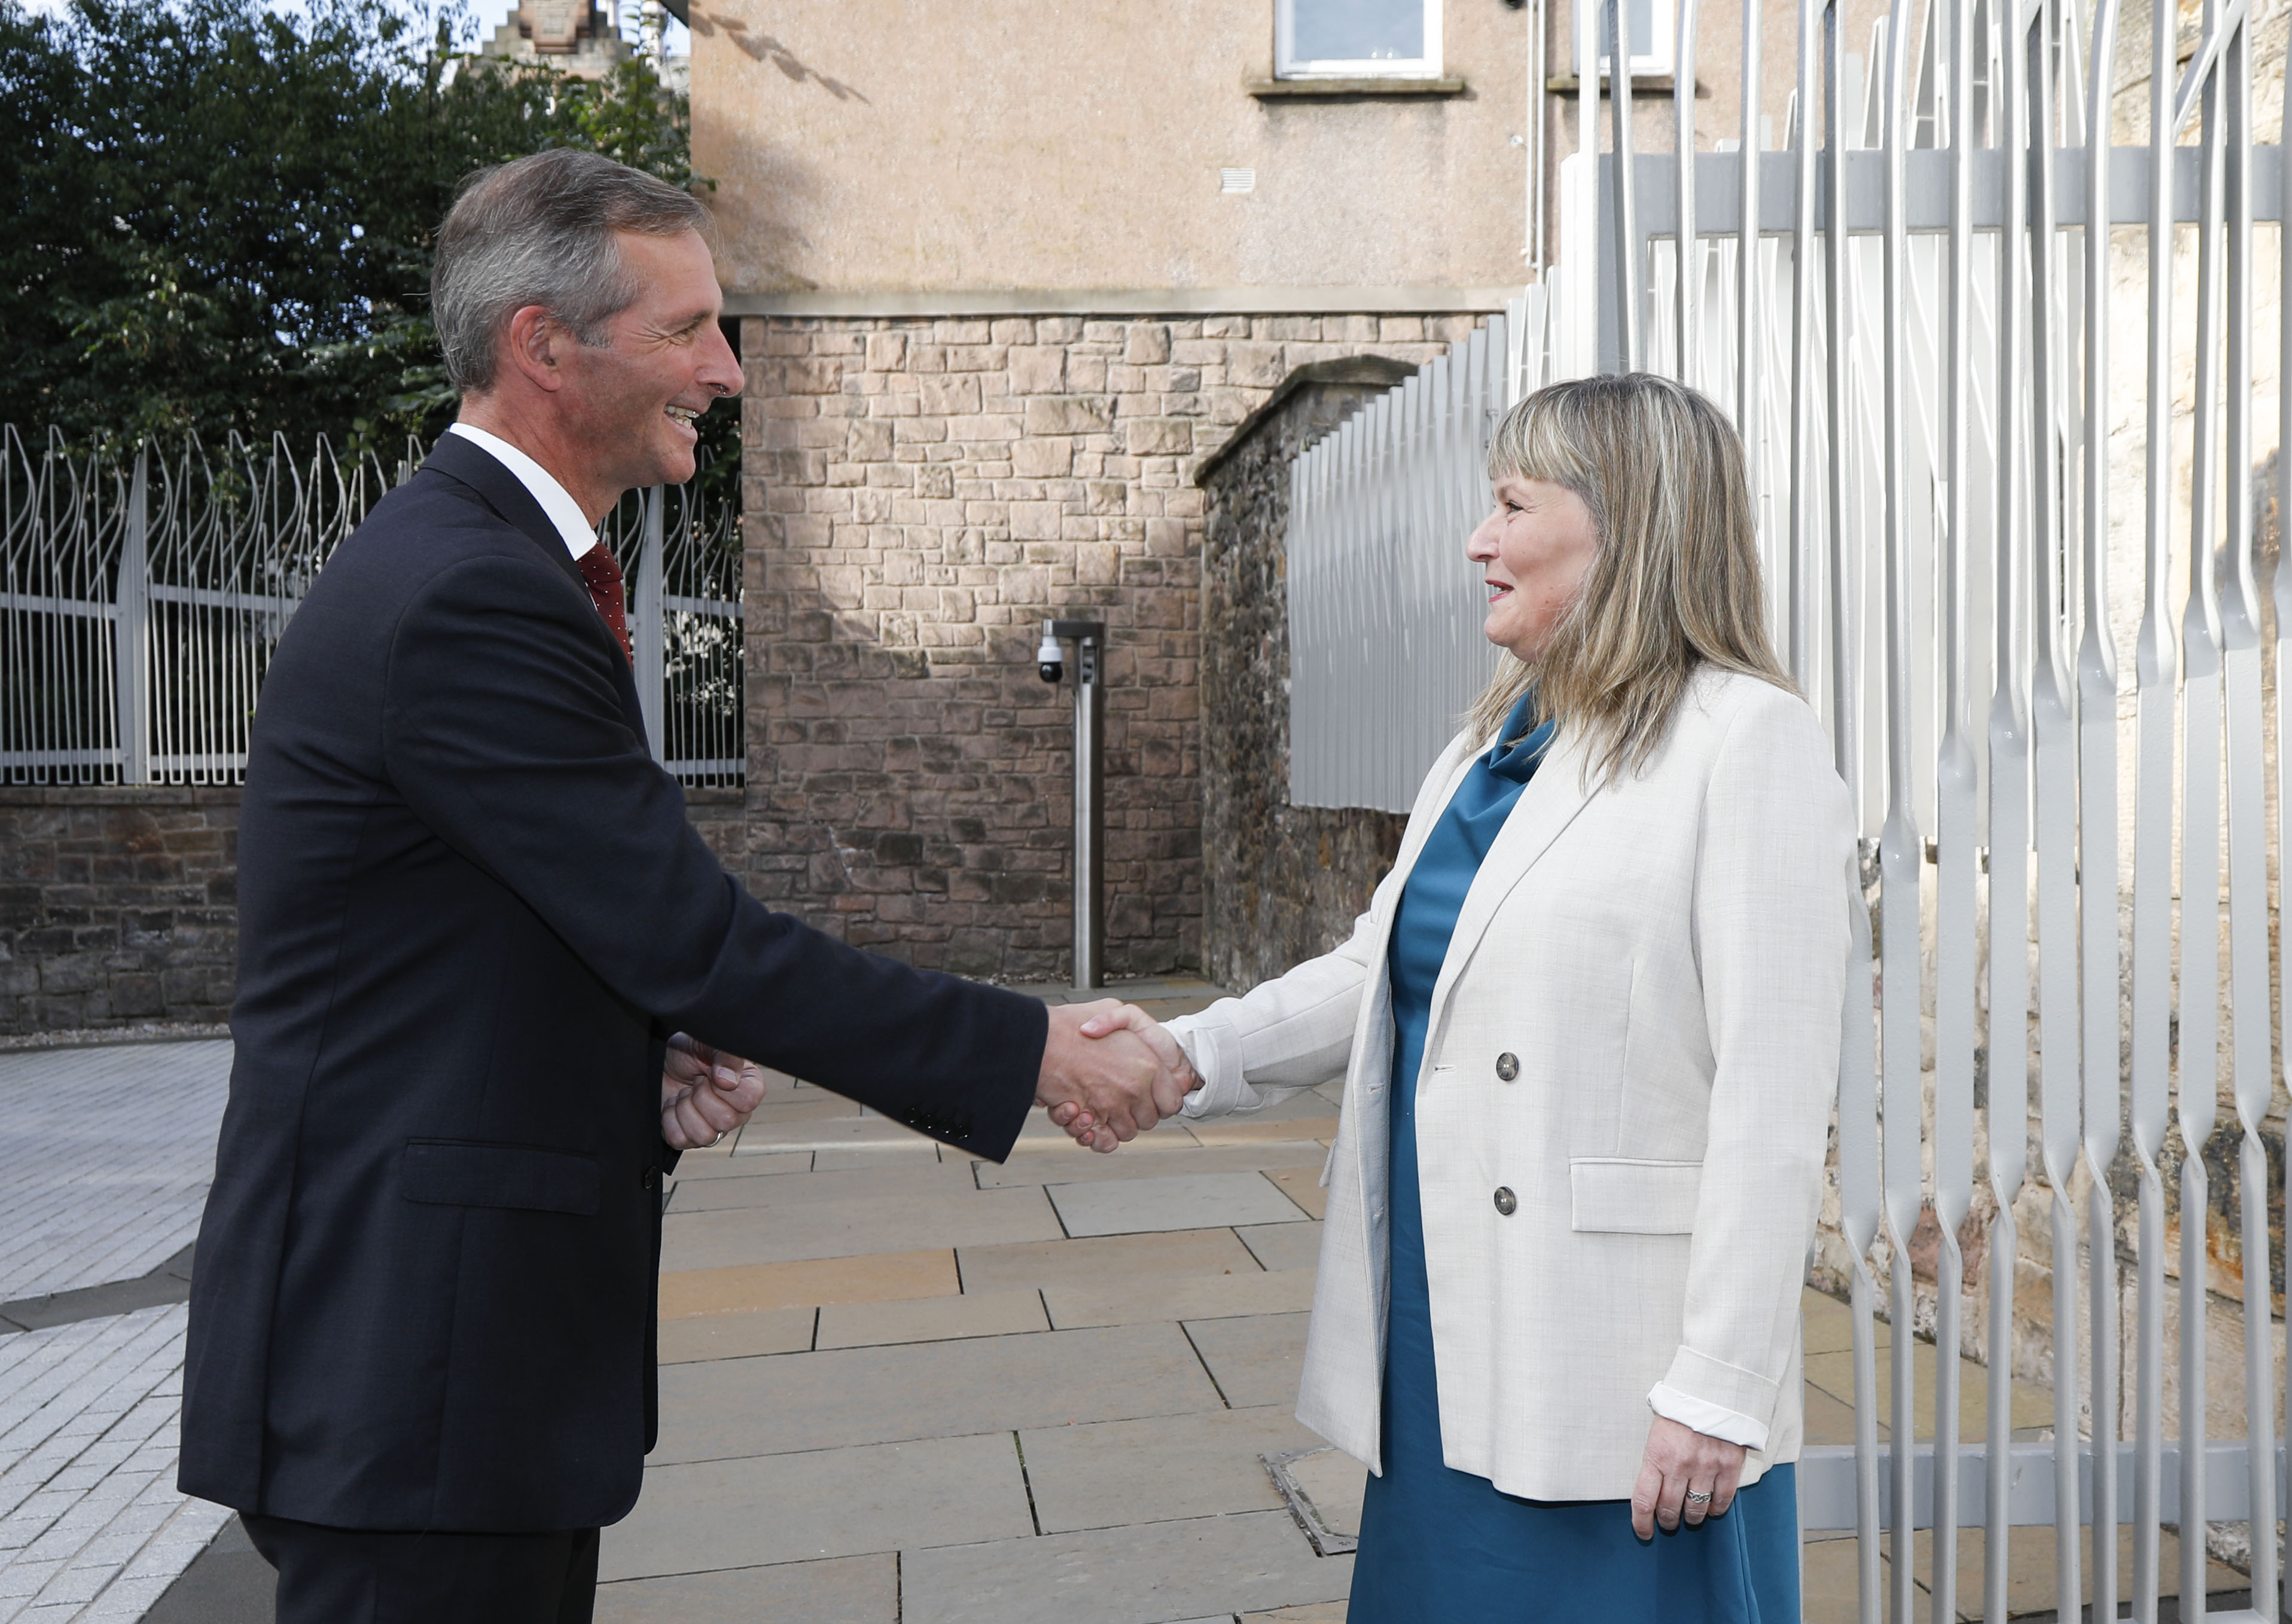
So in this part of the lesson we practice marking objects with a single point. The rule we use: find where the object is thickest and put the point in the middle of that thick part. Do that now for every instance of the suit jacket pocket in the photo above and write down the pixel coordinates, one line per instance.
(1623, 1195)
(463, 1173)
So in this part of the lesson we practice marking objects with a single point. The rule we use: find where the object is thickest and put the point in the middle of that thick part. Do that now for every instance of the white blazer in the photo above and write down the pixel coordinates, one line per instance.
(1636, 1033)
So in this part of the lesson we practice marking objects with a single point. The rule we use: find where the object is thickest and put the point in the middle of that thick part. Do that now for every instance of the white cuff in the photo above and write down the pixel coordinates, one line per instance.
(1712, 1420)
(1217, 1059)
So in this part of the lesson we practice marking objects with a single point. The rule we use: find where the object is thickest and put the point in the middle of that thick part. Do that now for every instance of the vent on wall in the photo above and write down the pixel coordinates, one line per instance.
(1237, 180)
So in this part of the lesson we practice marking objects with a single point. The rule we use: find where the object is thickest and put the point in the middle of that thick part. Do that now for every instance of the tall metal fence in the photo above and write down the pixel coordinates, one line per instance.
(2004, 386)
(142, 596)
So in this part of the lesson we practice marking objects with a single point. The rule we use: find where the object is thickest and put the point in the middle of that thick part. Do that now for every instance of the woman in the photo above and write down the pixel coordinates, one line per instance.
(1562, 1262)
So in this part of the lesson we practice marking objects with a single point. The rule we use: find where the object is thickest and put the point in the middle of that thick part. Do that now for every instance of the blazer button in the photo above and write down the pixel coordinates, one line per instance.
(651, 1180)
(1507, 1067)
(1507, 1202)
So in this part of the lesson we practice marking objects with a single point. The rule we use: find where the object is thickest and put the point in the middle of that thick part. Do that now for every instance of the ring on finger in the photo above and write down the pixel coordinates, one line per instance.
(1699, 1497)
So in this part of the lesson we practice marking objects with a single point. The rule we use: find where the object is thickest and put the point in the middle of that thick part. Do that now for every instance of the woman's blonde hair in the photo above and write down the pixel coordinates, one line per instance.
(1674, 581)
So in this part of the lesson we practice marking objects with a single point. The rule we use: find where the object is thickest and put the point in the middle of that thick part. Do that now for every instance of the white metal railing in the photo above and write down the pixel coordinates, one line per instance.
(1385, 609)
(2044, 647)
(141, 598)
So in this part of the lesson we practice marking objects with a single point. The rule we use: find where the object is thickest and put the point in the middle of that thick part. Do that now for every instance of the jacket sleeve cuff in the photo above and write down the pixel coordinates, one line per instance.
(1215, 1054)
(1712, 1420)
(1721, 1386)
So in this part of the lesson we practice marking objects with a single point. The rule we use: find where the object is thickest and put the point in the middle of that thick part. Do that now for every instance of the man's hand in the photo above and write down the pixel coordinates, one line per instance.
(1103, 1090)
(704, 1093)
(1681, 1464)
(1175, 1079)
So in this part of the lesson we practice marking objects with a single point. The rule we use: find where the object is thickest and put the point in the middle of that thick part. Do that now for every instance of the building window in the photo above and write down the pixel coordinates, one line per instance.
(1357, 39)
(1653, 24)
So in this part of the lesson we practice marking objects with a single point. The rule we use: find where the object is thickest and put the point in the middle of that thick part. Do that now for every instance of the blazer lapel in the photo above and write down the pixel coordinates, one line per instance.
(1546, 806)
(1432, 801)
(463, 459)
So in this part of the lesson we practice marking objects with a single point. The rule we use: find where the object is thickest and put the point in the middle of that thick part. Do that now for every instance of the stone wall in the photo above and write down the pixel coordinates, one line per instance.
(1280, 883)
(120, 906)
(116, 906)
(921, 494)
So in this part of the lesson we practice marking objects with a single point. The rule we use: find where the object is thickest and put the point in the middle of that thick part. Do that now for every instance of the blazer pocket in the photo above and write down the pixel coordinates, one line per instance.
(462, 1173)
(1621, 1195)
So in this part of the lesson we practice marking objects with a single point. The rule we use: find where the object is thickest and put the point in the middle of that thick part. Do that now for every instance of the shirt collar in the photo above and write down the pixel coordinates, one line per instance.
(564, 512)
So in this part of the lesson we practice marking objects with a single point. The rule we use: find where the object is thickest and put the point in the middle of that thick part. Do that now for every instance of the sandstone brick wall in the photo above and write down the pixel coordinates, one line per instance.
(116, 906)
(1280, 883)
(921, 493)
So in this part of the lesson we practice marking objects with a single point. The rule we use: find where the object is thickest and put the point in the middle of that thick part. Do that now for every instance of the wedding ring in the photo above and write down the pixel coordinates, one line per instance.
(1697, 1497)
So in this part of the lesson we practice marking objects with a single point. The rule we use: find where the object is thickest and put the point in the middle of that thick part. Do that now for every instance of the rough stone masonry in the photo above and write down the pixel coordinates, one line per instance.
(921, 493)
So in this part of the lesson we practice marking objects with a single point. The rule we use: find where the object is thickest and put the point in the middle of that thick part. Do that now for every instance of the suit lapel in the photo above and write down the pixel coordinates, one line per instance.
(1546, 806)
(464, 460)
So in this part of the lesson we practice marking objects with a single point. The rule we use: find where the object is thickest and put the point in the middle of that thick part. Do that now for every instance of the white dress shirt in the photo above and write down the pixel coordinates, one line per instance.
(555, 500)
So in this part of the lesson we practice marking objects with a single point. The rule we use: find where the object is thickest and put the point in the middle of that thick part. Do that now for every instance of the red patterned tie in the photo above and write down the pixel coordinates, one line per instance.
(606, 590)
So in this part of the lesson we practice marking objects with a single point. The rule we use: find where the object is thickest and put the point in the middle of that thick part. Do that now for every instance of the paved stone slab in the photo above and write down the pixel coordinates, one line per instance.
(922, 1153)
(850, 1226)
(808, 1105)
(93, 1197)
(1302, 1185)
(1184, 1157)
(91, 1525)
(1157, 1470)
(884, 1277)
(823, 1132)
(738, 1336)
(1181, 1296)
(227, 1583)
(692, 1167)
(1039, 1140)
(836, 1502)
(840, 1590)
(1256, 1361)
(1194, 1201)
(1206, 1568)
(1105, 1261)
(1315, 1613)
(1257, 1130)
(879, 1180)
(832, 1400)
(936, 1319)
(1284, 1246)
(1335, 1484)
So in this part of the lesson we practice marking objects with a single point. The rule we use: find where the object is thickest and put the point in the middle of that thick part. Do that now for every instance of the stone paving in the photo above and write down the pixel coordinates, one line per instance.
(107, 1152)
(899, 1385)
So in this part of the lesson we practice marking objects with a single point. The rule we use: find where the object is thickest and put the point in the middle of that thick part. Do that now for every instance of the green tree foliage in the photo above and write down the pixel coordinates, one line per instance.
(221, 218)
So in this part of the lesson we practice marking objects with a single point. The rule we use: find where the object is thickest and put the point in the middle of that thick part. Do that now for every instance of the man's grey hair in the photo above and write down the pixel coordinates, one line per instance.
(540, 231)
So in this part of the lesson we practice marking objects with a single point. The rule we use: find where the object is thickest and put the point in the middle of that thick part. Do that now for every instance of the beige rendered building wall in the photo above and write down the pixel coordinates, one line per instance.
(871, 147)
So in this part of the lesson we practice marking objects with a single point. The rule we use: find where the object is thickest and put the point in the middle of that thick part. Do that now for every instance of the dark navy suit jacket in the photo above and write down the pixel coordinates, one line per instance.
(470, 911)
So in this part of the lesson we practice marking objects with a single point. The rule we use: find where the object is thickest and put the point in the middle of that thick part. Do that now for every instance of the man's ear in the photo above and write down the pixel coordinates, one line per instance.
(532, 344)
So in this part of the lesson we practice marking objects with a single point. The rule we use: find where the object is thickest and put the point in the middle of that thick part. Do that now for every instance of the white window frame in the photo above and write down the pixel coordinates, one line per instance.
(1654, 58)
(1287, 66)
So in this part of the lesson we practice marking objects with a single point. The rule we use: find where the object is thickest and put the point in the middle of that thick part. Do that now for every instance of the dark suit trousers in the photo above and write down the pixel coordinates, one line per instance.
(352, 1576)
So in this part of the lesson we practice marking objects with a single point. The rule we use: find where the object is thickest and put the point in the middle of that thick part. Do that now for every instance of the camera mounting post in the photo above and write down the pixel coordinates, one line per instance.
(1089, 638)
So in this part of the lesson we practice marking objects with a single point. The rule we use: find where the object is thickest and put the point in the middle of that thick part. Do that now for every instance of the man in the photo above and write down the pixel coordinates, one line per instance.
(472, 918)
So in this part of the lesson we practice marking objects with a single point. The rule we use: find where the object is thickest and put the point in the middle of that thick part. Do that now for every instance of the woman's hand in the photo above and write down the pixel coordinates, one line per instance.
(1179, 1079)
(704, 1093)
(1680, 1464)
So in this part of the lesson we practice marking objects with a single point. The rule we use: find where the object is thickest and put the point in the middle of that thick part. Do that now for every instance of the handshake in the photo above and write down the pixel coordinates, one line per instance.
(1109, 1073)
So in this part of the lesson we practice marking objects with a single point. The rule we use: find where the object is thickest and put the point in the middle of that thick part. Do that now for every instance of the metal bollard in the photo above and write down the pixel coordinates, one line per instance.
(1089, 638)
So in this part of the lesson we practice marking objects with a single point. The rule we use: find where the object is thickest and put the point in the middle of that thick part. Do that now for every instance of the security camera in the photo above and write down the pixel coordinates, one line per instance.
(1051, 659)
